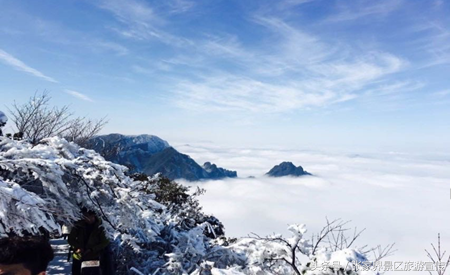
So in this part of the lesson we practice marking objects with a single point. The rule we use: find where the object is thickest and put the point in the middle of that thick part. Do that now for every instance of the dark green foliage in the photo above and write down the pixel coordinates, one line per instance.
(180, 203)
(167, 192)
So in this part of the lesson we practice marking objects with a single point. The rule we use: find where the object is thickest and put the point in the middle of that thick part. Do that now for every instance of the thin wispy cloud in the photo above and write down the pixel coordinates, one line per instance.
(298, 71)
(436, 45)
(141, 70)
(256, 63)
(135, 11)
(139, 21)
(302, 72)
(224, 47)
(17, 64)
(235, 93)
(441, 94)
(179, 6)
(395, 87)
(56, 33)
(110, 46)
(364, 9)
(79, 95)
(286, 4)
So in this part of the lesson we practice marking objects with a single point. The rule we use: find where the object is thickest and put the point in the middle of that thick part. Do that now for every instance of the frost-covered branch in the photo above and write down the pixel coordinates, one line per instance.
(36, 120)
(154, 224)
(332, 227)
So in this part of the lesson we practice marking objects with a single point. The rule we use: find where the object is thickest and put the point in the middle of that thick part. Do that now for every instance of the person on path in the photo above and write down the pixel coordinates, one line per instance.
(87, 240)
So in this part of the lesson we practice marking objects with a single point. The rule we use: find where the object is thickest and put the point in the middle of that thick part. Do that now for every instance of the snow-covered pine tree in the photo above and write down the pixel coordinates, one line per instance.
(156, 227)
(43, 186)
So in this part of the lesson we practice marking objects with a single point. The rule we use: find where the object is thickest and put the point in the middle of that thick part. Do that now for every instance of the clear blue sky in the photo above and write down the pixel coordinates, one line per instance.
(295, 73)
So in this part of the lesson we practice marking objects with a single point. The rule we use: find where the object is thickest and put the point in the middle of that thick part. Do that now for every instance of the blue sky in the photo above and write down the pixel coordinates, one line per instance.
(360, 75)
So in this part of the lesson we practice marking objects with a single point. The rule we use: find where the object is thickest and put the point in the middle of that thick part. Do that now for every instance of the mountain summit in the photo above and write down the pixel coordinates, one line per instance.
(131, 151)
(150, 155)
(287, 169)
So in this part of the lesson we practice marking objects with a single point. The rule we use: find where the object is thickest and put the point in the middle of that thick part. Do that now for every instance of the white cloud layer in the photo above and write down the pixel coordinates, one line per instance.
(398, 197)
(20, 66)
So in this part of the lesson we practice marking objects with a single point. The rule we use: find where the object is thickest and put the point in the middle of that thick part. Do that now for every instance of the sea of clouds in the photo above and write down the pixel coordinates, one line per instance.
(401, 198)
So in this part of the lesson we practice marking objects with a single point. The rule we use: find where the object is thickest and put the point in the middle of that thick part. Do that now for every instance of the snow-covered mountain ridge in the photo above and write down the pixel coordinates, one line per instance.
(150, 154)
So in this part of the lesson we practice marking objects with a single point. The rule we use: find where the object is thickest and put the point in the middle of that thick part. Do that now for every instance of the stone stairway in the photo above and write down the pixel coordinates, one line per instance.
(59, 265)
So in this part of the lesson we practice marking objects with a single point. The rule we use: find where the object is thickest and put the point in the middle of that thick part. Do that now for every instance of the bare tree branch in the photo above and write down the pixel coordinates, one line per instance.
(438, 258)
(36, 120)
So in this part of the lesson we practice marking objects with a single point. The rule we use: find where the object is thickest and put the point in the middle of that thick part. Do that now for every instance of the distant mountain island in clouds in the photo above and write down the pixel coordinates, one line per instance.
(150, 155)
(287, 169)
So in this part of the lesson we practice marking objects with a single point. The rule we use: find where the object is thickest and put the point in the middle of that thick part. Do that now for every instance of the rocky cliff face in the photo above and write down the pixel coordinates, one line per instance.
(150, 155)
(287, 169)
(215, 172)
(174, 165)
